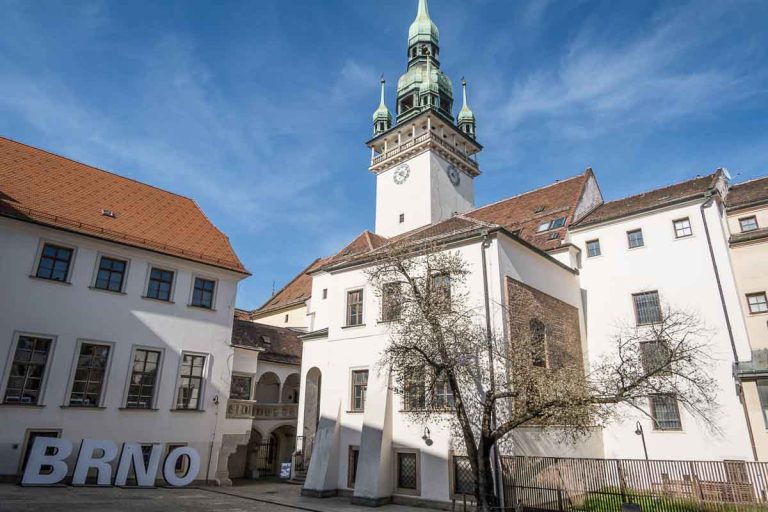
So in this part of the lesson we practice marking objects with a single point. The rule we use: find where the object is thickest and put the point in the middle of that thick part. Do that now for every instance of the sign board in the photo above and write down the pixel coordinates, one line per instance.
(47, 464)
(285, 470)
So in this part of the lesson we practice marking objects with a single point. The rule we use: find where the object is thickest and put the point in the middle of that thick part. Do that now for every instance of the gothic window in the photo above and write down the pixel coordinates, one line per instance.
(538, 347)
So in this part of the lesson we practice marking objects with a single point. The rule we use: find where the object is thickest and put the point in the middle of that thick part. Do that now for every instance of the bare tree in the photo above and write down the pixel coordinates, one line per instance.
(451, 369)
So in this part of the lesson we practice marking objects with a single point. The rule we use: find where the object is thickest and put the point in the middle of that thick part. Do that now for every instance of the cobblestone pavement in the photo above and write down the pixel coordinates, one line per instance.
(251, 497)
(90, 499)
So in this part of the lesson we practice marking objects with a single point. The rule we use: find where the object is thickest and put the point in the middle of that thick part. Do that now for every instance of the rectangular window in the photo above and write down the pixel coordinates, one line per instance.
(440, 292)
(160, 284)
(463, 476)
(31, 436)
(593, 248)
(202, 295)
(538, 343)
(665, 413)
(635, 238)
(683, 228)
(111, 274)
(757, 302)
(240, 388)
(359, 389)
(54, 263)
(551, 224)
(414, 398)
(182, 463)
(190, 382)
(355, 307)
(443, 395)
(354, 455)
(325, 293)
(141, 388)
(654, 356)
(407, 471)
(748, 224)
(89, 375)
(391, 297)
(27, 370)
(762, 393)
(647, 308)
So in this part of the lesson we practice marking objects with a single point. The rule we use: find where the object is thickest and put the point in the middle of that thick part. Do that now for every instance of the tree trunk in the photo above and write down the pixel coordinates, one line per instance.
(486, 489)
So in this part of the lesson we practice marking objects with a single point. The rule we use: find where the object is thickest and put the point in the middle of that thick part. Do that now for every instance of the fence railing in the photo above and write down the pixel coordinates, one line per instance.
(573, 484)
(248, 409)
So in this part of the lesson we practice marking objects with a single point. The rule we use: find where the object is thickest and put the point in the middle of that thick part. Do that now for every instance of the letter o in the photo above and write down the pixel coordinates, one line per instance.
(169, 468)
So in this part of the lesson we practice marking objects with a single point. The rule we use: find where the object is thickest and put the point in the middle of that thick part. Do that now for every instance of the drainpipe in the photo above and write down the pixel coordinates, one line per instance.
(706, 204)
(486, 296)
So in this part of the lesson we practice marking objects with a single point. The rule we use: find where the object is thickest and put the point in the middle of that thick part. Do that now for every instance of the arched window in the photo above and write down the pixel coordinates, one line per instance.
(538, 343)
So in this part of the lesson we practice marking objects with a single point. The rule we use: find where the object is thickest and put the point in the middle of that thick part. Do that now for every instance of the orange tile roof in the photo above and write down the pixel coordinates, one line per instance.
(41, 187)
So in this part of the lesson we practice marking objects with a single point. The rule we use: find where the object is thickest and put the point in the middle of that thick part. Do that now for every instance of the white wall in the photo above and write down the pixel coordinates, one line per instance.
(681, 270)
(73, 312)
(427, 195)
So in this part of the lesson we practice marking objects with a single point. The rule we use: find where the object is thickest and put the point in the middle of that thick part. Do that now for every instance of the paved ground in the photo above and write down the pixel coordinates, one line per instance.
(258, 497)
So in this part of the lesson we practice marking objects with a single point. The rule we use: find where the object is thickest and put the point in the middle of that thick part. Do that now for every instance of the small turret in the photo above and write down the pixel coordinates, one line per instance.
(382, 117)
(466, 119)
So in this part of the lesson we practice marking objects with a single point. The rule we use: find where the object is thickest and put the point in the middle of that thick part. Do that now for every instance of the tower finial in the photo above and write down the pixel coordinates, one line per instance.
(466, 119)
(382, 88)
(464, 87)
(382, 117)
(423, 9)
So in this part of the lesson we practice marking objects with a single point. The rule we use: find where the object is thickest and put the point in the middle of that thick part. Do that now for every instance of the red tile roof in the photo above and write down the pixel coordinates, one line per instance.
(41, 187)
(525, 212)
(277, 344)
(652, 199)
(748, 193)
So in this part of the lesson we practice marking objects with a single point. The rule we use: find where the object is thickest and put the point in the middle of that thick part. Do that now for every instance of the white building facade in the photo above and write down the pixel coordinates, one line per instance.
(106, 332)
(601, 264)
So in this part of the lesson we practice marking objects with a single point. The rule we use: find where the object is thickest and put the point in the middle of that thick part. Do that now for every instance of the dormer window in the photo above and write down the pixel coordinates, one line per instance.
(551, 224)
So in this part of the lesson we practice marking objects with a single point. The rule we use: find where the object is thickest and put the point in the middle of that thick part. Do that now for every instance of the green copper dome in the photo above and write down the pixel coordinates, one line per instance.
(382, 117)
(423, 29)
(465, 114)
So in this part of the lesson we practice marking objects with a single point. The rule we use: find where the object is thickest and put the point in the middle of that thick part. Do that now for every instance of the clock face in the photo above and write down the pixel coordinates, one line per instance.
(401, 174)
(453, 175)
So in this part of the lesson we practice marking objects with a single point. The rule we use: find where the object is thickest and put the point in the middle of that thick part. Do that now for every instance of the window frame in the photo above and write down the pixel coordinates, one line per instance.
(544, 343)
(629, 240)
(748, 217)
(347, 305)
(645, 355)
(94, 279)
(636, 309)
(352, 385)
(192, 288)
(73, 372)
(396, 313)
(184, 461)
(396, 467)
(148, 279)
(654, 418)
(158, 377)
(25, 446)
(448, 305)
(764, 296)
(599, 248)
(39, 256)
(203, 381)
(678, 236)
(551, 224)
(46, 369)
(251, 389)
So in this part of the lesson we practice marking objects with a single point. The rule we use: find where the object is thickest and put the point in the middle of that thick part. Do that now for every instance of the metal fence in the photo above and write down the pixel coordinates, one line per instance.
(571, 484)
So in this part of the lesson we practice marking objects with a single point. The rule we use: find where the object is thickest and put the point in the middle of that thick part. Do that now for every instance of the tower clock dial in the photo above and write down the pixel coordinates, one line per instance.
(401, 174)
(453, 175)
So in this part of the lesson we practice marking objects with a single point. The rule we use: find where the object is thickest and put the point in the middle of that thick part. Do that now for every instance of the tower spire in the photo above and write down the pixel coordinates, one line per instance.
(382, 117)
(466, 119)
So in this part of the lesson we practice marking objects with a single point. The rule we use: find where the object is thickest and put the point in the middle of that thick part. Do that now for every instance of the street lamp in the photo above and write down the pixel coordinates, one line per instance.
(639, 432)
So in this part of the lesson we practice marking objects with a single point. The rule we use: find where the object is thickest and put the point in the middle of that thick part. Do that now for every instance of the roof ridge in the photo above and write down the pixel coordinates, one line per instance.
(558, 182)
(748, 181)
(697, 177)
(278, 292)
(111, 173)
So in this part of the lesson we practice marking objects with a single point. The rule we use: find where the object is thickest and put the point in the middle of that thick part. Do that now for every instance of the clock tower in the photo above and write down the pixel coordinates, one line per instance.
(425, 165)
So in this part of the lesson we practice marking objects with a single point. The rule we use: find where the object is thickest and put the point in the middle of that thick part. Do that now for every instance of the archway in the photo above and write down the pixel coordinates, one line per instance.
(268, 389)
(291, 389)
(284, 439)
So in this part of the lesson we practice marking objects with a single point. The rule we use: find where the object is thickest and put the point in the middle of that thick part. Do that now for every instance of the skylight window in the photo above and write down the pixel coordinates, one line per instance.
(551, 224)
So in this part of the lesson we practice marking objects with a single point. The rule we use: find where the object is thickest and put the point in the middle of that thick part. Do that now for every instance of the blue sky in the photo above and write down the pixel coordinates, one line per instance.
(259, 109)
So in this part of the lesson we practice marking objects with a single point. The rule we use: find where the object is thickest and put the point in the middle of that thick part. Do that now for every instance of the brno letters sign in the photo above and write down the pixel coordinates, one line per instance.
(47, 463)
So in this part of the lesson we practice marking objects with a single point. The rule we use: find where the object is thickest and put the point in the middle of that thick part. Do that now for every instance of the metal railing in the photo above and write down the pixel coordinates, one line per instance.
(573, 484)
(249, 409)
(424, 137)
